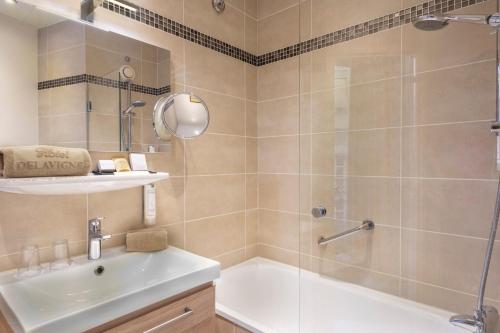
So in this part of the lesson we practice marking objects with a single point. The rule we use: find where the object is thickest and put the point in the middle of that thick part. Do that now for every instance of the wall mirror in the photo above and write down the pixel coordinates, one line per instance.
(184, 115)
(70, 84)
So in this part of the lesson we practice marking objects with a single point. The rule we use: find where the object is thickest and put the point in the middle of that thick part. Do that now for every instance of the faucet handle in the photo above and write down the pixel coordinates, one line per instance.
(105, 237)
(95, 224)
(465, 320)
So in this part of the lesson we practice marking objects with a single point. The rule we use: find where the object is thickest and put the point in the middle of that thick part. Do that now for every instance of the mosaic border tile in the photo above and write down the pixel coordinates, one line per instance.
(382, 23)
(102, 81)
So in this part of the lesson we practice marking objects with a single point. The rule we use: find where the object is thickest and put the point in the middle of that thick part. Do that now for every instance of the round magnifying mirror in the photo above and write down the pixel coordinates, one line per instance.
(184, 115)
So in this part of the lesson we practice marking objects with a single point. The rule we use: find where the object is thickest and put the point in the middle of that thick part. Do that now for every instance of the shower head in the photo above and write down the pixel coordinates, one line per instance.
(430, 22)
(135, 104)
(439, 21)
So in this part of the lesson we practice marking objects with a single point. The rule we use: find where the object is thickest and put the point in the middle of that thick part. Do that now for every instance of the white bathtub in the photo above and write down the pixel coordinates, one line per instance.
(263, 296)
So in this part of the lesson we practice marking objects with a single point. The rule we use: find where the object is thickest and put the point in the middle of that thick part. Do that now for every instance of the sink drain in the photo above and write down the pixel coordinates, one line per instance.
(99, 270)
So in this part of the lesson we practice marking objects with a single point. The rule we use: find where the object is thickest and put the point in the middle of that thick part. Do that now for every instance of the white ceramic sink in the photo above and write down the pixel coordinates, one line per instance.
(76, 299)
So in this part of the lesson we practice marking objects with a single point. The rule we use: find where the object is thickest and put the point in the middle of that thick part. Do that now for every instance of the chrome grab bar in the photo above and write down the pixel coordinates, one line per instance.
(366, 225)
(187, 312)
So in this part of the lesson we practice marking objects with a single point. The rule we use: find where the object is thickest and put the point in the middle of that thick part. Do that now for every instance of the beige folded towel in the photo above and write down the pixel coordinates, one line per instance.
(147, 240)
(43, 161)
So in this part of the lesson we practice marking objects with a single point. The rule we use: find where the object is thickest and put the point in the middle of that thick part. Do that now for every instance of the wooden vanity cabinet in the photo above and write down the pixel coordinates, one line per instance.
(190, 312)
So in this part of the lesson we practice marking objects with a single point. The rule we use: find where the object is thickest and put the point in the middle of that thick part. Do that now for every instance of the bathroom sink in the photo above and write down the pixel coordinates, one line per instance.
(91, 293)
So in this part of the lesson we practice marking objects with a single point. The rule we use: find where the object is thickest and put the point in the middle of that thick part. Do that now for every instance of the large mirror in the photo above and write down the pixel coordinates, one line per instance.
(70, 84)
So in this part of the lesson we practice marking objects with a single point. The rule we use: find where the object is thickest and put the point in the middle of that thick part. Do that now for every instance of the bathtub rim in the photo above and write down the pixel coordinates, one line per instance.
(257, 327)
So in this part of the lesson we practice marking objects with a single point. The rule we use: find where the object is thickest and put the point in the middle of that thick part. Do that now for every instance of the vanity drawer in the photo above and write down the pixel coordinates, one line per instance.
(179, 316)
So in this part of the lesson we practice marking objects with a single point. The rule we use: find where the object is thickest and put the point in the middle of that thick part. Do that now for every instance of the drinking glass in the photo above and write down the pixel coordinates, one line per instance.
(30, 262)
(60, 250)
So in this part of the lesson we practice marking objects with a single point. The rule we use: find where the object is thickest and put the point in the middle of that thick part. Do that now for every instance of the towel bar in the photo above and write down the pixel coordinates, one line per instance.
(366, 225)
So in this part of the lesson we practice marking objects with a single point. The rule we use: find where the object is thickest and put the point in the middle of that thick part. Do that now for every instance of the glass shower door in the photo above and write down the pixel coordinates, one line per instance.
(394, 129)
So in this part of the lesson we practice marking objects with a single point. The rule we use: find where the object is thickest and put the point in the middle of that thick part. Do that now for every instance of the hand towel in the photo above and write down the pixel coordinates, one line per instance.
(43, 161)
(147, 240)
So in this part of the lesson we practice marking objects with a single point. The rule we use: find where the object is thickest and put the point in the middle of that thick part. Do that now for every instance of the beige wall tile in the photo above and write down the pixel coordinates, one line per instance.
(29, 220)
(278, 117)
(362, 60)
(122, 210)
(447, 261)
(370, 279)
(369, 153)
(279, 229)
(171, 161)
(251, 119)
(251, 155)
(252, 221)
(229, 27)
(377, 250)
(215, 154)
(105, 100)
(461, 207)
(329, 16)
(214, 195)
(280, 255)
(251, 191)
(456, 94)
(113, 42)
(170, 201)
(251, 8)
(360, 198)
(279, 30)
(267, 8)
(278, 79)
(323, 148)
(215, 236)
(64, 35)
(67, 62)
(172, 9)
(279, 154)
(176, 235)
(231, 258)
(227, 114)
(200, 65)
(323, 193)
(439, 297)
(250, 82)
(450, 151)
(279, 192)
(251, 35)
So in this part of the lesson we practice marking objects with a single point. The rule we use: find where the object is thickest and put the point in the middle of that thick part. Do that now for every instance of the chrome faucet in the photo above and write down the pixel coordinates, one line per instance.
(94, 238)
(484, 321)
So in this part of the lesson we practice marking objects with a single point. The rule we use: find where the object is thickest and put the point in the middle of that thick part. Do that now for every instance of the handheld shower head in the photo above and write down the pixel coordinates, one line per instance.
(439, 21)
(135, 104)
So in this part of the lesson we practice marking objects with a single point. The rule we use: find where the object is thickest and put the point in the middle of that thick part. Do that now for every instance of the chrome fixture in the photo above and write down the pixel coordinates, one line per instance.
(439, 21)
(133, 105)
(485, 318)
(94, 238)
(87, 7)
(219, 5)
(318, 212)
(366, 225)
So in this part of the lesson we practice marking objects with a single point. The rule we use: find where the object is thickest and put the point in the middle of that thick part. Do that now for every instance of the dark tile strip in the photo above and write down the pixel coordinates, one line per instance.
(180, 30)
(102, 81)
(386, 22)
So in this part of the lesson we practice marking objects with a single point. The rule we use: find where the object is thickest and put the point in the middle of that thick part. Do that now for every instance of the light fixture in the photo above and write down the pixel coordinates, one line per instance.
(124, 4)
(87, 7)
(11, 2)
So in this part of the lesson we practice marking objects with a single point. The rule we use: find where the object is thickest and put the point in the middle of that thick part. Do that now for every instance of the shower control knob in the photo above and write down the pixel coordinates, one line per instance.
(318, 212)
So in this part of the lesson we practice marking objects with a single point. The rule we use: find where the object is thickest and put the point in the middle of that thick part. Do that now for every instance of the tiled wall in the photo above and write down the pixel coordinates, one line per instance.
(208, 204)
(393, 126)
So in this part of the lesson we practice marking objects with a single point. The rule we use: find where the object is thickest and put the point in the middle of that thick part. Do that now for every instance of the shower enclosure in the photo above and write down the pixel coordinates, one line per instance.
(393, 126)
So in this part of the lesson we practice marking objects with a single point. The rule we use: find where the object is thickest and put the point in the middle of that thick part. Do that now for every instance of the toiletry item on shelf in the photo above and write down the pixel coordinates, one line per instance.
(43, 161)
(121, 164)
(138, 162)
(147, 240)
(106, 166)
(149, 204)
